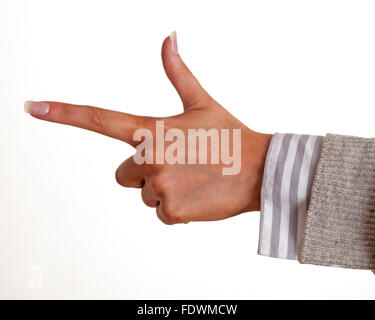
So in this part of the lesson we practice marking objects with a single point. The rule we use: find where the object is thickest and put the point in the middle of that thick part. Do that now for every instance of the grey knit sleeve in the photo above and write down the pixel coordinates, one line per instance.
(340, 222)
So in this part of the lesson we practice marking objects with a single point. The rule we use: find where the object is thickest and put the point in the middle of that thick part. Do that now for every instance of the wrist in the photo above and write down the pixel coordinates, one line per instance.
(255, 157)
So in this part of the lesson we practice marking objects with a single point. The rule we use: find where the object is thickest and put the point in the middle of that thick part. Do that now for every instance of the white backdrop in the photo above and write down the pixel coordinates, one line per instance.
(67, 230)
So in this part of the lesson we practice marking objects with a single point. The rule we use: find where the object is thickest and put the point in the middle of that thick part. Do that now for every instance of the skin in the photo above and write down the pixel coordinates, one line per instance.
(180, 193)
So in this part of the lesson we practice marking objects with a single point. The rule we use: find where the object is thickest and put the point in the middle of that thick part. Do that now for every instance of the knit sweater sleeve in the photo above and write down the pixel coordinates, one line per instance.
(340, 221)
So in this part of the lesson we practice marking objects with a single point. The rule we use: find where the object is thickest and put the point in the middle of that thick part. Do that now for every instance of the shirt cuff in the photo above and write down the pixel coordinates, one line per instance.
(288, 174)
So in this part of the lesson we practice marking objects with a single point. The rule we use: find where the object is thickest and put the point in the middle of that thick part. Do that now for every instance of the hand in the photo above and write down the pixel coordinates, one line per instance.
(179, 192)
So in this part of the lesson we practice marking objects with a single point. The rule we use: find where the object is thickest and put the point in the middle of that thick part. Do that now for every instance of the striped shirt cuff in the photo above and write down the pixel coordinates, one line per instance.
(288, 174)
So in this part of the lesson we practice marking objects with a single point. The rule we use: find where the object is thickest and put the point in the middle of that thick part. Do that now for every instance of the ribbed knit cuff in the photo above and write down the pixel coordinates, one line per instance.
(340, 221)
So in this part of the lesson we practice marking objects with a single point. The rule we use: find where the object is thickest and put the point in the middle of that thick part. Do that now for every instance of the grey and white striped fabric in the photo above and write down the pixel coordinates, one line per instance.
(288, 174)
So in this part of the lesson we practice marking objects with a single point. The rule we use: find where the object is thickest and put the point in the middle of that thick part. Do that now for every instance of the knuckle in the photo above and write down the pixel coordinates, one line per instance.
(146, 198)
(120, 176)
(171, 213)
(155, 185)
(96, 117)
(63, 114)
(162, 217)
(158, 185)
(143, 196)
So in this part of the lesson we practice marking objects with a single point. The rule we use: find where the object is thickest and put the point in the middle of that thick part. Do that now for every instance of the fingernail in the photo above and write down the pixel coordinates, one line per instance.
(173, 38)
(36, 108)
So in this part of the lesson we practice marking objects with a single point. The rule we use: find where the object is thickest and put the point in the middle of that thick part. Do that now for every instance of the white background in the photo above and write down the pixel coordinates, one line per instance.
(67, 230)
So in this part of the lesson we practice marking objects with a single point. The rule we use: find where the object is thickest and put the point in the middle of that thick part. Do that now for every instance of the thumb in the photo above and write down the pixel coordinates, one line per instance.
(187, 86)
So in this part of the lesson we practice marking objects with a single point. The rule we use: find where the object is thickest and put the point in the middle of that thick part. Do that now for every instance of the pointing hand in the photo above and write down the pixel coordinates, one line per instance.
(187, 186)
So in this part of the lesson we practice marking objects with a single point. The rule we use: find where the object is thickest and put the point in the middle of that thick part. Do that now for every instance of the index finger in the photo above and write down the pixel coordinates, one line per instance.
(113, 124)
